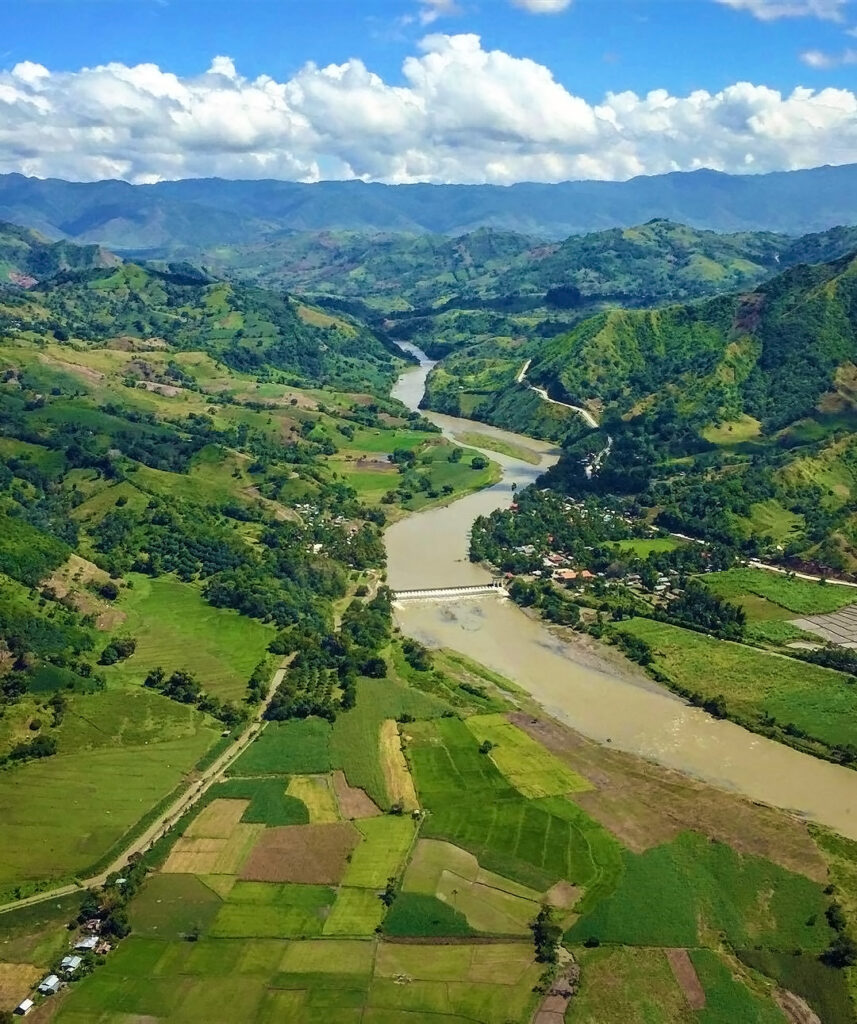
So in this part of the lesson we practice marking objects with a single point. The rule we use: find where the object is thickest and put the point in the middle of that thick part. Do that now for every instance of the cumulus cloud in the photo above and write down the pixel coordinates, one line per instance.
(460, 113)
(822, 61)
(770, 10)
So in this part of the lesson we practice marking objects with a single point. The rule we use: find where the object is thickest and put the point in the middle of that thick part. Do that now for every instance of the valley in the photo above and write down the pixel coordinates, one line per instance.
(225, 741)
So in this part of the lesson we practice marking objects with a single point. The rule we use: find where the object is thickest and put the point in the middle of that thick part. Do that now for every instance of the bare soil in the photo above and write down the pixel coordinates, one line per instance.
(797, 1011)
(644, 804)
(310, 854)
(563, 895)
(687, 978)
(353, 802)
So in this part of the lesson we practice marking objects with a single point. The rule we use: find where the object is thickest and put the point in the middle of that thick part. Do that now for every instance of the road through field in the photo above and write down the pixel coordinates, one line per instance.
(162, 824)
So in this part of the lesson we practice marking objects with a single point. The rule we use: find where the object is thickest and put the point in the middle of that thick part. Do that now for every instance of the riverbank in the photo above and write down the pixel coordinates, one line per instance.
(430, 549)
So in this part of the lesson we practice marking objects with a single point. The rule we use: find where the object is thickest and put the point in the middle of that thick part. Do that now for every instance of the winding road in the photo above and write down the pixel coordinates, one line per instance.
(584, 414)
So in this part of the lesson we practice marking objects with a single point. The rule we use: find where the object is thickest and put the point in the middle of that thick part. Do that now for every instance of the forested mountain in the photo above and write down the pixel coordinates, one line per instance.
(732, 418)
(184, 309)
(645, 265)
(169, 216)
(26, 257)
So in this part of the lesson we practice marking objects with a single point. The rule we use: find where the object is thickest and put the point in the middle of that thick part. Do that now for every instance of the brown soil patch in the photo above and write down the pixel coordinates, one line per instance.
(563, 895)
(110, 619)
(311, 854)
(376, 465)
(167, 390)
(218, 820)
(687, 978)
(400, 784)
(353, 802)
(16, 980)
(645, 804)
(797, 1011)
(76, 572)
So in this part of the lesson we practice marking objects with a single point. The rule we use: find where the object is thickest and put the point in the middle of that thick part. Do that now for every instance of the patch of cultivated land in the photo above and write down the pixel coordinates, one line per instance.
(314, 854)
(177, 629)
(819, 702)
(803, 597)
(646, 805)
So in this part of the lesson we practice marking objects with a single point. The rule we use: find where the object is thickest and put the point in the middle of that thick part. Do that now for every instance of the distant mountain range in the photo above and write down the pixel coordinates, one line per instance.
(185, 216)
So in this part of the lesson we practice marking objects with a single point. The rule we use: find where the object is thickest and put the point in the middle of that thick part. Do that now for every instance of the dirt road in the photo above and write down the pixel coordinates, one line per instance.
(194, 791)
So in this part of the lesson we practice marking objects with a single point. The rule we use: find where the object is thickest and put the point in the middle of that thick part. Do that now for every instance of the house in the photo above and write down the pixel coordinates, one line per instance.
(24, 1007)
(586, 575)
(71, 963)
(565, 574)
(50, 985)
(90, 942)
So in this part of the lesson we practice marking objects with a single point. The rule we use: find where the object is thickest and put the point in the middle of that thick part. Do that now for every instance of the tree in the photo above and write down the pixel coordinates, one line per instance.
(478, 462)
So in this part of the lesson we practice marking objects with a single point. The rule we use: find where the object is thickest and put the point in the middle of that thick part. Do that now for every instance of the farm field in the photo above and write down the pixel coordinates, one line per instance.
(285, 748)
(802, 597)
(756, 686)
(176, 629)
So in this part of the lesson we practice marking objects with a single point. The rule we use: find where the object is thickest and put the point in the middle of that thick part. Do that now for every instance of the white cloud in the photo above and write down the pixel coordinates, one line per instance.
(461, 113)
(431, 10)
(821, 61)
(543, 6)
(770, 10)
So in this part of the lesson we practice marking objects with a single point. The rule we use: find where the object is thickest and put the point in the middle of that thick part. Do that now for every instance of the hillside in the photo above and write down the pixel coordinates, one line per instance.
(26, 257)
(731, 418)
(181, 308)
(171, 216)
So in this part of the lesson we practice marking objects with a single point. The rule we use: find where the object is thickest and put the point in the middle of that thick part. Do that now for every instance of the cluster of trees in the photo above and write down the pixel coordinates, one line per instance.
(322, 676)
(185, 688)
(30, 750)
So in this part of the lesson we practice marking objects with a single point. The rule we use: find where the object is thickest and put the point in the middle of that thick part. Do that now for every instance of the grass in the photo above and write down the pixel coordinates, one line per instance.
(820, 702)
(176, 629)
(62, 814)
(692, 889)
(382, 851)
(744, 428)
(270, 804)
(355, 739)
(269, 910)
(497, 444)
(777, 632)
(35, 934)
(526, 764)
(415, 914)
(315, 792)
(642, 547)
(535, 842)
(287, 748)
(622, 985)
(355, 912)
(329, 957)
(727, 999)
(172, 906)
(824, 988)
(803, 597)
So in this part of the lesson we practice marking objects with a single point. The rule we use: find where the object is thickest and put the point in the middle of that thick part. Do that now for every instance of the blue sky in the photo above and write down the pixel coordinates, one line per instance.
(593, 47)
(536, 107)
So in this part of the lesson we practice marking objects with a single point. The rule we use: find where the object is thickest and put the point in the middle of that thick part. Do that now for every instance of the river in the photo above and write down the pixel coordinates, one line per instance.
(574, 684)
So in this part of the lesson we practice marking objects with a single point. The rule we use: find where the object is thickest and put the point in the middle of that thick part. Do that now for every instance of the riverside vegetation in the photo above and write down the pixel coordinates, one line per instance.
(195, 477)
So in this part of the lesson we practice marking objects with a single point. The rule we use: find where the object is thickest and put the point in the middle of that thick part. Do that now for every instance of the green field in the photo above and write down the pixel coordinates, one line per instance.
(536, 842)
(474, 439)
(803, 597)
(176, 629)
(355, 912)
(354, 742)
(381, 853)
(678, 893)
(63, 814)
(820, 702)
(416, 915)
(300, 746)
(642, 547)
(269, 910)
(173, 906)
(527, 765)
(270, 804)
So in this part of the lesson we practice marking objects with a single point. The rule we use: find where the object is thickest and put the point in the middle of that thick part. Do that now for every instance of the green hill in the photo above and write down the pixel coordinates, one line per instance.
(26, 257)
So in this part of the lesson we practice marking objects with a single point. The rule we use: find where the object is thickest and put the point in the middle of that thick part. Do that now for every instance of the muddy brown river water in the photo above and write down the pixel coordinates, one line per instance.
(572, 683)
